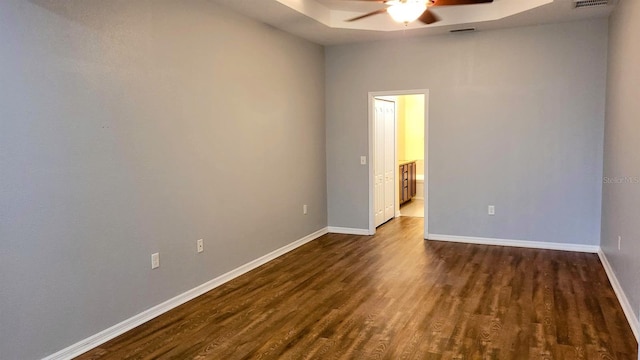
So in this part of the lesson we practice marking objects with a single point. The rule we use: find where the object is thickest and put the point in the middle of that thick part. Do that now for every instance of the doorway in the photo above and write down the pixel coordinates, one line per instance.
(409, 162)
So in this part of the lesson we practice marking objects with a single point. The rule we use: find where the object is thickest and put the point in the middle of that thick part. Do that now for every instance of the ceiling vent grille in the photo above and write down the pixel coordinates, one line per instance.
(463, 30)
(590, 3)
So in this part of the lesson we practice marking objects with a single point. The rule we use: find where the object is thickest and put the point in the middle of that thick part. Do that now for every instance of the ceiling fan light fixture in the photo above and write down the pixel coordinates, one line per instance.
(407, 11)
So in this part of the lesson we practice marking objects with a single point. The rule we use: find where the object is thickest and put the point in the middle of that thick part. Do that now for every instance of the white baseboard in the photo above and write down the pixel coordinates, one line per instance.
(515, 243)
(126, 325)
(349, 231)
(632, 317)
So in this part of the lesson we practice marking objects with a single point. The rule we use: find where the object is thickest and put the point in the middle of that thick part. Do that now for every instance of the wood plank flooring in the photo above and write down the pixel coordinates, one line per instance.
(396, 296)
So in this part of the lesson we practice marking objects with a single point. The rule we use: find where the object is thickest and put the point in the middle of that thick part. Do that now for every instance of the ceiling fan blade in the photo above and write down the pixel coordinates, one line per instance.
(368, 14)
(459, 2)
(428, 17)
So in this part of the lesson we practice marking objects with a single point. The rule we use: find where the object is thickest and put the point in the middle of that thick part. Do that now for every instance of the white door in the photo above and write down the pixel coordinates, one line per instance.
(384, 161)
(378, 165)
(389, 160)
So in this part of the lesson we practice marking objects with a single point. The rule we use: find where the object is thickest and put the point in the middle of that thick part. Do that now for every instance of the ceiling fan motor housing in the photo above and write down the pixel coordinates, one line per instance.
(406, 11)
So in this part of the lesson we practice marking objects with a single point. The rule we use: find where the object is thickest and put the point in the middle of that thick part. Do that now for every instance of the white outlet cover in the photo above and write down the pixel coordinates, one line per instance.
(200, 245)
(491, 210)
(155, 260)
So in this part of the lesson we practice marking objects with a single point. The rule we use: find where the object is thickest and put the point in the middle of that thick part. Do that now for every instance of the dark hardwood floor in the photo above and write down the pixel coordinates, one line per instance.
(396, 296)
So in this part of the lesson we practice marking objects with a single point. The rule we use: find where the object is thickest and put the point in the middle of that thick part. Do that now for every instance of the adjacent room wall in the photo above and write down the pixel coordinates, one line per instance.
(401, 152)
(516, 121)
(621, 185)
(414, 130)
(134, 127)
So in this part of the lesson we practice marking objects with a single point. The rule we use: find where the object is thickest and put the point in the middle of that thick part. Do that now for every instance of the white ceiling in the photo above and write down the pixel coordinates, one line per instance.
(323, 21)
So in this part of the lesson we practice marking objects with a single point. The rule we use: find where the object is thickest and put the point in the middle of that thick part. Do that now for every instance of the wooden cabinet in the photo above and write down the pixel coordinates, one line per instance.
(407, 181)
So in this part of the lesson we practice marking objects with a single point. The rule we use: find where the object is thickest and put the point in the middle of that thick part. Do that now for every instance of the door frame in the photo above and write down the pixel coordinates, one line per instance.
(371, 114)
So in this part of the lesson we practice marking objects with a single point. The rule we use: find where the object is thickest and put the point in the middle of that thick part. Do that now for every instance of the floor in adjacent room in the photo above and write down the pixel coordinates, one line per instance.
(396, 296)
(413, 208)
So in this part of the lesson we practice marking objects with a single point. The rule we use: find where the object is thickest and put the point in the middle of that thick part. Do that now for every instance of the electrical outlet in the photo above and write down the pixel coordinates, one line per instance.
(363, 160)
(155, 260)
(491, 210)
(304, 209)
(619, 242)
(200, 245)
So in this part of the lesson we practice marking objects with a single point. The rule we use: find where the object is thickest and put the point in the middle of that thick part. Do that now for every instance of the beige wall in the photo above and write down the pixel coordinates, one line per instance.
(621, 188)
(411, 130)
(401, 127)
(134, 127)
(516, 120)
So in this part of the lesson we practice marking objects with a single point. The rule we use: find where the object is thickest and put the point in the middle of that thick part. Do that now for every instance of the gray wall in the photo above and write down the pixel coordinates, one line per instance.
(516, 120)
(621, 193)
(131, 127)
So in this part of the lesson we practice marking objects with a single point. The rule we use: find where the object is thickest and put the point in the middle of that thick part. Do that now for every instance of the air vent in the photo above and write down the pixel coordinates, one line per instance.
(590, 3)
(462, 30)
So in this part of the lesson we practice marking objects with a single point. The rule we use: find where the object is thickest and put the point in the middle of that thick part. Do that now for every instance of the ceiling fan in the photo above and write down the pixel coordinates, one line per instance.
(406, 11)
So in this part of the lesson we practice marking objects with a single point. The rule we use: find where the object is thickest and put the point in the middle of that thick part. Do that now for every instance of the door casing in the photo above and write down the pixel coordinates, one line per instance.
(371, 100)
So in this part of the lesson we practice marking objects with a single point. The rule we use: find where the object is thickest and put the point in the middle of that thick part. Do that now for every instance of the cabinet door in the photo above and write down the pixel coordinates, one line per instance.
(405, 192)
(409, 187)
(412, 179)
(400, 183)
(404, 177)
